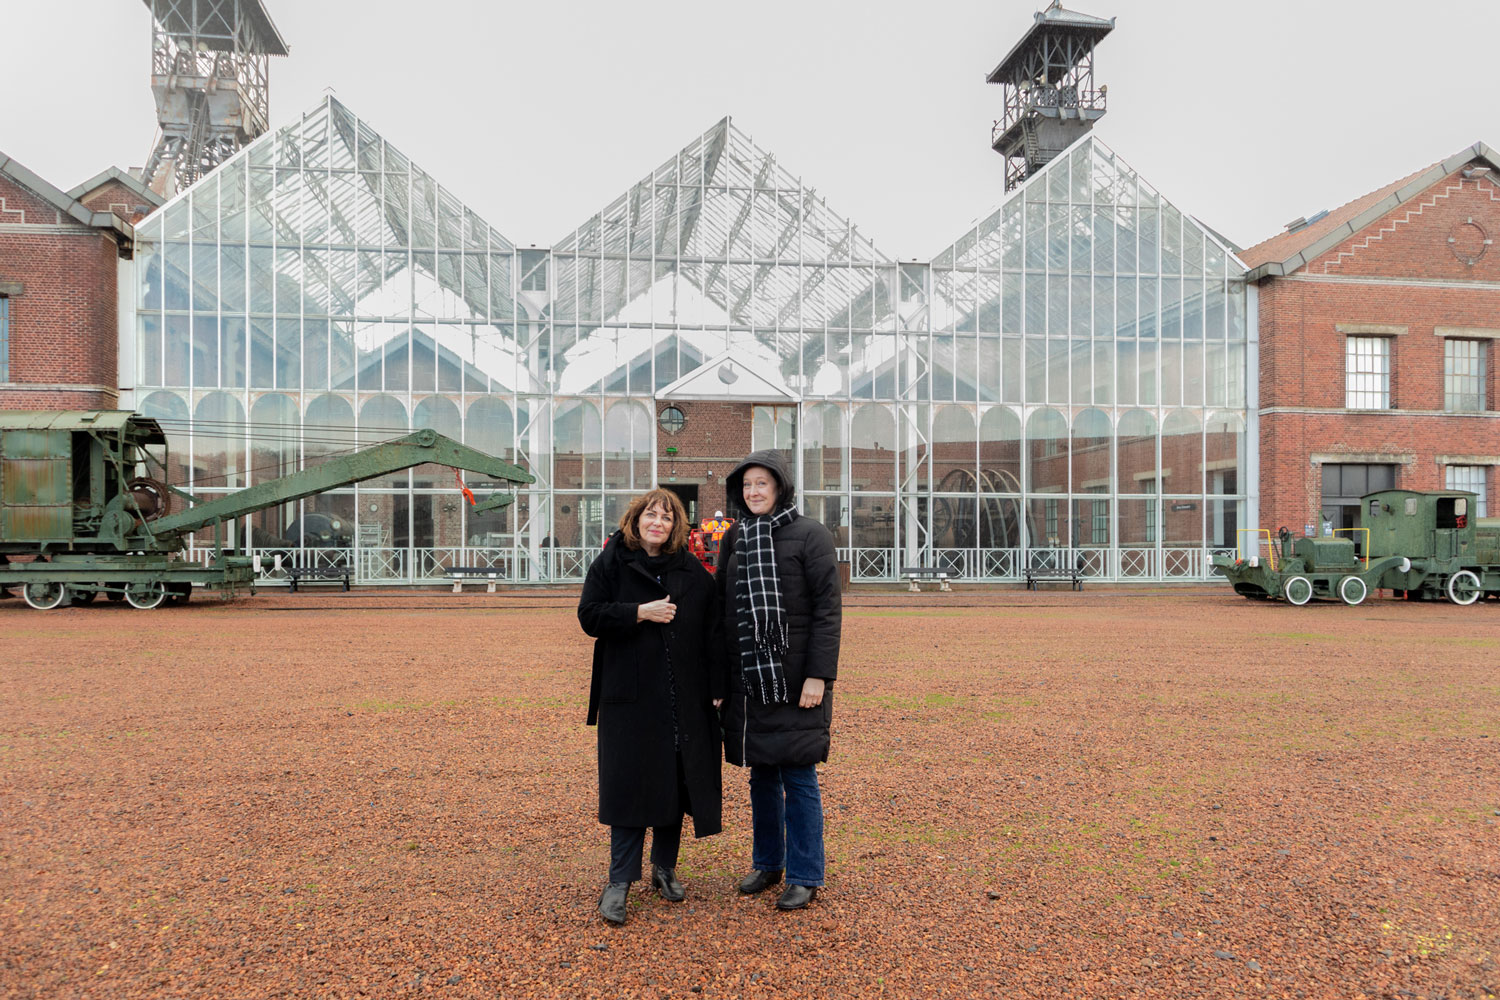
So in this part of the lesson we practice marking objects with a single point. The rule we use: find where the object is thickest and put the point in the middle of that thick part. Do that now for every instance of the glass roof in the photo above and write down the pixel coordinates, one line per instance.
(727, 246)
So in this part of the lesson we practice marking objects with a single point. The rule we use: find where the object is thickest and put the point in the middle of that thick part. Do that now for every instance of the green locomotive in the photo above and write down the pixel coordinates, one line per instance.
(82, 512)
(1418, 545)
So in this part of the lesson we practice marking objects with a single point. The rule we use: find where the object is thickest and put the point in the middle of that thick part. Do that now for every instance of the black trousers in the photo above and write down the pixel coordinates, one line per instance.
(627, 843)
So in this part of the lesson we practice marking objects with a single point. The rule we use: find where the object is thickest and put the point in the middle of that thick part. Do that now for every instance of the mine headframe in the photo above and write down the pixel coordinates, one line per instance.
(1050, 95)
(210, 74)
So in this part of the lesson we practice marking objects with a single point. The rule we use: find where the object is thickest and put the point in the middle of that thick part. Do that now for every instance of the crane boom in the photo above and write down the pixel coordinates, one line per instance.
(392, 456)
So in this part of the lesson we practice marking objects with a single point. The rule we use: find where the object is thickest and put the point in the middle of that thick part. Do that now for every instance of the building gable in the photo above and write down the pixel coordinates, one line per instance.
(19, 206)
(118, 193)
(1444, 233)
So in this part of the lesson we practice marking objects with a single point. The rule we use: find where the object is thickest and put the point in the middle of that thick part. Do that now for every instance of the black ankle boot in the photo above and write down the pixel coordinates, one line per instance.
(758, 880)
(612, 902)
(795, 897)
(665, 882)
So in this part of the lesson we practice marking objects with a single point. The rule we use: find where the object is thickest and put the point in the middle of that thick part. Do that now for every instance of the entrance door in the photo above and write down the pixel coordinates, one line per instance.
(1343, 485)
(688, 494)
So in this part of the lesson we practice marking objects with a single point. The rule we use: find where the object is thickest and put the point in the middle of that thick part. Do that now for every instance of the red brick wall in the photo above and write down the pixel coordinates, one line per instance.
(713, 440)
(113, 196)
(1404, 258)
(63, 322)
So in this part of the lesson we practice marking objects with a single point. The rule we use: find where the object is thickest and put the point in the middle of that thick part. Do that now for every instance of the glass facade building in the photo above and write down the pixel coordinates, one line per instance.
(1066, 383)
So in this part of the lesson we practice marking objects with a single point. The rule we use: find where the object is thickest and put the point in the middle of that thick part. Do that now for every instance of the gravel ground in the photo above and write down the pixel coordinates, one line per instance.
(1153, 793)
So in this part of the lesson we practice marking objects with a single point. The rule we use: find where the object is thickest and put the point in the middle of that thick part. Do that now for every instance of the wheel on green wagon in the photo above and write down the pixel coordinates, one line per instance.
(1352, 590)
(44, 596)
(145, 595)
(1298, 590)
(1463, 587)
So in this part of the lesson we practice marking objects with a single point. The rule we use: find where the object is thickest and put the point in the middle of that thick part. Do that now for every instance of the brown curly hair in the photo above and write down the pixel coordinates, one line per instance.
(630, 521)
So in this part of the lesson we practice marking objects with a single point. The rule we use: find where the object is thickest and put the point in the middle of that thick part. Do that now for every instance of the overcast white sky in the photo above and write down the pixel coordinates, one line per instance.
(538, 114)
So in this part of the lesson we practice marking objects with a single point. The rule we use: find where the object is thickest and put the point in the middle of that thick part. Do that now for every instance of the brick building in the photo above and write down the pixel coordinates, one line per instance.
(1378, 323)
(61, 257)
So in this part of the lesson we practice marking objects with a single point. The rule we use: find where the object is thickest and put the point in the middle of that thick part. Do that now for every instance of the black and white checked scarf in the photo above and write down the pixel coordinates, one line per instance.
(762, 622)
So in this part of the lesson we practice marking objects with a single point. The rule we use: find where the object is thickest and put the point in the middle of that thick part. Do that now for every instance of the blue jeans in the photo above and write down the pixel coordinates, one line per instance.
(786, 812)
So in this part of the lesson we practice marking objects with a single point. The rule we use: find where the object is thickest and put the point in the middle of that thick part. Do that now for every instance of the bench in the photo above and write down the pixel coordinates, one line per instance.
(458, 574)
(1047, 567)
(915, 573)
(300, 574)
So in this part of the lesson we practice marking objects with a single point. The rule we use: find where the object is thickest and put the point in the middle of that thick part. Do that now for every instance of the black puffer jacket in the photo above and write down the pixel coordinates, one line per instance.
(807, 570)
(651, 680)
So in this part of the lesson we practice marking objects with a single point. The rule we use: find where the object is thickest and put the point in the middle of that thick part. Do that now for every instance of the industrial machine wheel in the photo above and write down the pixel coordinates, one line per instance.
(1463, 588)
(1298, 590)
(116, 594)
(145, 595)
(1352, 590)
(82, 596)
(179, 593)
(44, 596)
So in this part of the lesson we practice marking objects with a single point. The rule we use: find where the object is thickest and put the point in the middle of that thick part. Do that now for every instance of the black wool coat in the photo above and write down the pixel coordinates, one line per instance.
(650, 679)
(807, 570)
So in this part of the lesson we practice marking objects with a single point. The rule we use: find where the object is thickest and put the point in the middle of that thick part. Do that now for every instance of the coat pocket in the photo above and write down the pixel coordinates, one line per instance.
(620, 682)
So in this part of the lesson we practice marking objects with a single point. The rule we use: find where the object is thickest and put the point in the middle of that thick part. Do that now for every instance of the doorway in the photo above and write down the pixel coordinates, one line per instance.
(688, 494)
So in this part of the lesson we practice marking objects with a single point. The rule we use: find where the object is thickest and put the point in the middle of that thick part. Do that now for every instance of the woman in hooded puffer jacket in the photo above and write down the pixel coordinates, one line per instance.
(779, 582)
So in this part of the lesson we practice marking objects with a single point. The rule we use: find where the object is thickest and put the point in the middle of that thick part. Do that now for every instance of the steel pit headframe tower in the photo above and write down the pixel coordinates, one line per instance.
(1050, 98)
(210, 72)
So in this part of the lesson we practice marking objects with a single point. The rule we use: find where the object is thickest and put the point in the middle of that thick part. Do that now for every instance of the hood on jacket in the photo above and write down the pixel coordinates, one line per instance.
(770, 458)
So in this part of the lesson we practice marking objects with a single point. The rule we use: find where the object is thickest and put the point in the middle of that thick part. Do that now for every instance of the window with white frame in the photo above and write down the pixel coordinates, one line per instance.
(1470, 478)
(1463, 375)
(1367, 373)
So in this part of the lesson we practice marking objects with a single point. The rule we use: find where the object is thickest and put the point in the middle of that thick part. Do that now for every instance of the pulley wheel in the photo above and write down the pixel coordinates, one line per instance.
(151, 496)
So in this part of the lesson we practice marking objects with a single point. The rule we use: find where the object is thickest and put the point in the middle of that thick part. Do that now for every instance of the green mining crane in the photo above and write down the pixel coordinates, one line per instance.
(77, 498)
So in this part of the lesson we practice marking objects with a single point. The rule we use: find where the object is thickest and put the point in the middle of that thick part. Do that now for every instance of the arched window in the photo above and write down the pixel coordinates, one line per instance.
(273, 437)
(440, 414)
(1000, 450)
(1091, 452)
(577, 445)
(327, 429)
(872, 451)
(1182, 452)
(1046, 452)
(380, 419)
(627, 446)
(491, 427)
(219, 442)
(823, 438)
(954, 444)
(169, 410)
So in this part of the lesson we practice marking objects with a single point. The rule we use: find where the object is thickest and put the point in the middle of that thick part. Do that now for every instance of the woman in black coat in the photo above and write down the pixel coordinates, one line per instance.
(658, 680)
(779, 583)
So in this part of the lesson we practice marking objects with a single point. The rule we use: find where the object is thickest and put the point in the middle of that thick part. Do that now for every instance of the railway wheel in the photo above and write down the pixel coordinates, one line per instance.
(82, 596)
(1352, 590)
(1298, 590)
(145, 595)
(179, 593)
(1463, 587)
(44, 596)
(116, 593)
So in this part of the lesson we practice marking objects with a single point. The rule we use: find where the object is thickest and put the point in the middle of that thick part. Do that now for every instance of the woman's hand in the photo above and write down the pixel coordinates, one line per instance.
(812, 693)
(656, 611)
